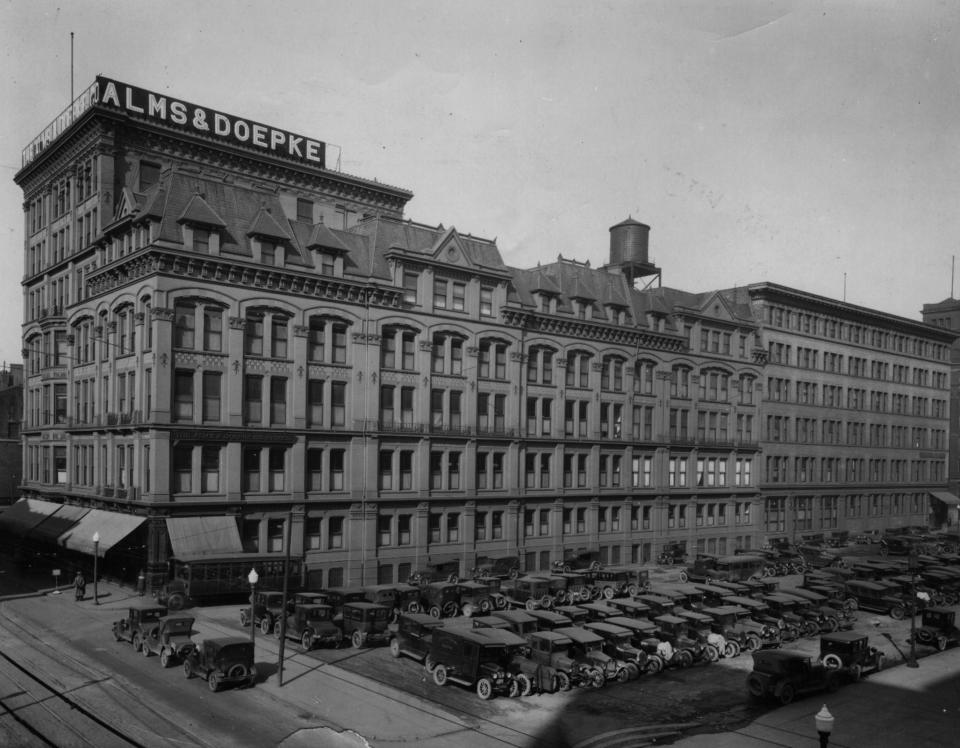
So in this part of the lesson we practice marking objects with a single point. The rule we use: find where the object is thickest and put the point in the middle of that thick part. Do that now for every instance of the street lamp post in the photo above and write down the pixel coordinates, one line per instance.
(253, 578)
(913, 564)
(824, 721)
(96, 554)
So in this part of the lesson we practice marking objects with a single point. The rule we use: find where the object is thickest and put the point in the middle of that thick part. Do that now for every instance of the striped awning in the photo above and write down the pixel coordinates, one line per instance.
(26, 514)
(200, 537)
(946, 497)
(59, 522)
(109, 527)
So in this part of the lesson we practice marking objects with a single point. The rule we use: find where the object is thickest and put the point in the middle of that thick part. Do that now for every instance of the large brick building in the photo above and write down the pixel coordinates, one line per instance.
(229, 344)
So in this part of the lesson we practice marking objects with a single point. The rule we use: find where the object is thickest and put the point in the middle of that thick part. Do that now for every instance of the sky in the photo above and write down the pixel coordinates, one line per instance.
(812, 144)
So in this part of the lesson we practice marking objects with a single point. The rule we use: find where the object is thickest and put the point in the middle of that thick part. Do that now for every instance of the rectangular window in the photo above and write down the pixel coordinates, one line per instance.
(338, 403)
(184, 326)
(278, 401)
(278, 342)
(410, 282)
(253, 337)
(183, 395)
(277, 465)
(315, 402)
(253, 398)
(182, 469)
(486, 301)
(251, 469)
(210, 469)
(211, 396)
(458, 296)
(439, 294)
(213, 330)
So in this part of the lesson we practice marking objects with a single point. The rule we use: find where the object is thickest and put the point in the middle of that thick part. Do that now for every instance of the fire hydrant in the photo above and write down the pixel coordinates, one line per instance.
(141, 583)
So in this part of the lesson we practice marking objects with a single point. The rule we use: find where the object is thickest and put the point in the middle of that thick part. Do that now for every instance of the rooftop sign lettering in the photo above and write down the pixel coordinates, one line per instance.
(143, 104)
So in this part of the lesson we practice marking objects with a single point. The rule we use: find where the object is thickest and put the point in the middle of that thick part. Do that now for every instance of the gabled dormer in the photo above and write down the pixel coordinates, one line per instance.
(449, 249)
(327, 251)
(545, 293)
(269, 241)
(201, 226)
(582, 299)
(127, 206)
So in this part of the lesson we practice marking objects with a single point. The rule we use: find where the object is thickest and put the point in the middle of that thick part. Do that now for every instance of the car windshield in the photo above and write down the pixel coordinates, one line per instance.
(622, 641)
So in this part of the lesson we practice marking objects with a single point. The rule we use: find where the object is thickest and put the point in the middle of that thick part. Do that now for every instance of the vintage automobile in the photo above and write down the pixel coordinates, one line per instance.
(365, 624)
(312, 625)
(337, 597)
(938, 627)
(267, 608)
(783, 674)
(618, 643)
(528, 592)
(797, 610)
(568, 588)
(630, 607)
(519, 622)
(401, 598)
(440, 599)
(672, 553)
(412, 637)
(577, 615)
(658, 604)
(448, 571)
(714, 596)
(776, 632)
(467, 657)
(475, 598)
(676, 631)
(587, 647)
(529, 675)
(851, 653)
(138, 619)
(552, 649)
(636, 577)
(599, 611)
(833, 616)
(734, 624)
(643, 637)
(169, 637)
(735, 568)
(878, 598)
(174, 594)
(688, 595)
(579, 559)
(503, 567)
(548, 620)
(610, 582)
(222, 662)
(700, 627)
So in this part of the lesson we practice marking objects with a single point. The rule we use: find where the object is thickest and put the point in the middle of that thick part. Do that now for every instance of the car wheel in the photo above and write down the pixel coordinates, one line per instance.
(440, 675)
(941, 643)
(786, 694)
(897, 612)
(213, 682)
(266, 624)
(485, 606)
(524, 683)
(530, 605)
(633, 669)
(244, 618)
(755, 686)
(653, 665)
(435, 611)
(165, 660)
(394, 647)
(752, 643)
(428, 664)
(276, 630)
(306, 641)
(144, 649)
(563, 681)
(116, 634)
(356, 639)
(684, 577)
(175, 602)
(414, 607)
(623, 675)
(924, 636)
(136, 642)
(830, 625)
(513, 690)
(832, 662)
(596, 678)
(732, 649)
(501, 603)
(881, 661)
(710, 653)
(450, 609)
(633, 590)
(810, 629)
(187, 669)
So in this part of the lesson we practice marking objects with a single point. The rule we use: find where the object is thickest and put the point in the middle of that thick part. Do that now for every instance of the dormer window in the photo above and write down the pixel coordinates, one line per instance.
(201, 240)
(268, 253)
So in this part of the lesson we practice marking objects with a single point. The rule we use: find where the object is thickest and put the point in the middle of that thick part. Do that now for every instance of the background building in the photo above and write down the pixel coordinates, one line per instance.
(11, 410)
(233, 352)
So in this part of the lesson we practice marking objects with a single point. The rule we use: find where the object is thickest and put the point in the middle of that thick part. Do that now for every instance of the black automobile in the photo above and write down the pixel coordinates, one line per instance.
(224, 661)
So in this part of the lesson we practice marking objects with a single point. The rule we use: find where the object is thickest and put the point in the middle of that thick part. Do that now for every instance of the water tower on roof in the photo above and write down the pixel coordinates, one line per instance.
(629, 246)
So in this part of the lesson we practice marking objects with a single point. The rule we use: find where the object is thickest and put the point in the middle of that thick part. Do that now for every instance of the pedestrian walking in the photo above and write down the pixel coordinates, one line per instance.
(80, 586)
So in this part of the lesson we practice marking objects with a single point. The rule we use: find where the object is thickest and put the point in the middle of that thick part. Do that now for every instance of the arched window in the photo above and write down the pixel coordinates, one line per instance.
(680, 382)
(643, 377)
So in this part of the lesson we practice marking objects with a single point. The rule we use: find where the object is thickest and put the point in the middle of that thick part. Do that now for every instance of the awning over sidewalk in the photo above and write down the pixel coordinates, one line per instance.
(26, 514)
(946, 497)
(199, 537)
(59, 522)
(111, 527)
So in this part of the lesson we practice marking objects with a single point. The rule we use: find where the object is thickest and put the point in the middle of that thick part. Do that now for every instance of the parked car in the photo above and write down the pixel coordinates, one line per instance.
(138, 619)
(402, 598)
(440, 599)
(700, 627)
(850, 652)
(529, 676)
(312, 625)
(784, 674)
(548, 620)
(412, 637)
(771, 629)
(266, 609)
(568, 588)
(938, 627)
(734, 624)
(519, 622)
(528, 592)
(587, 647)
(552, 649)
(643, 637)
(611, 582)
(222, 662)
(630, 607)
(169, 637)
(734, 568)
(366, 624)
(676, 631)
(464, 656)
(878, 598)
(618, 643)
(475, 598)
(504, 567)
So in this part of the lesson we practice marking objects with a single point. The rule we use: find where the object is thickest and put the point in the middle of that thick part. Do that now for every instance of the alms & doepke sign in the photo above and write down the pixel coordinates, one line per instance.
(139, 102)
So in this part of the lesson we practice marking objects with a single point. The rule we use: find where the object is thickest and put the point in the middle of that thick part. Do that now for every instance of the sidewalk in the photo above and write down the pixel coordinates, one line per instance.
(898, 707)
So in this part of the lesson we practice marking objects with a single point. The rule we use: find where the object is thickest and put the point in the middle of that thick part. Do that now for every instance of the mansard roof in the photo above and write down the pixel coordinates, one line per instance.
(200, 213)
